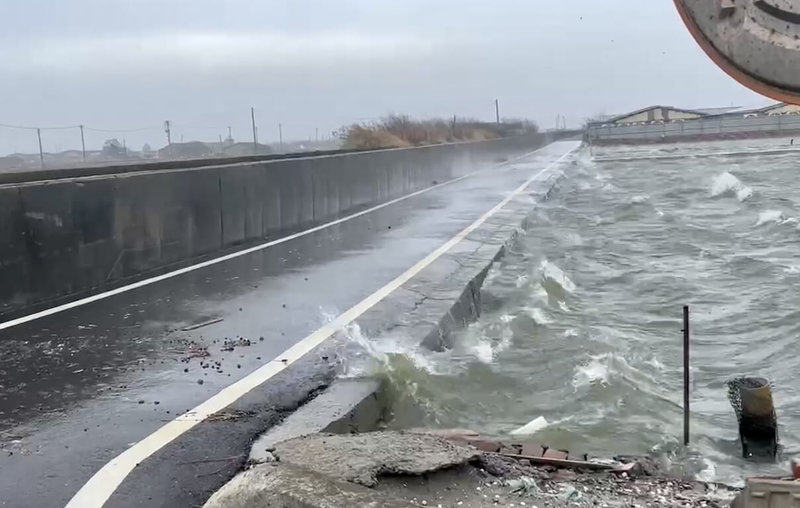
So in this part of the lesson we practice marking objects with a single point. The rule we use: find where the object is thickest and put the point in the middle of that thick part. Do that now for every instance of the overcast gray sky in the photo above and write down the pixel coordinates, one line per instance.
(130, 64)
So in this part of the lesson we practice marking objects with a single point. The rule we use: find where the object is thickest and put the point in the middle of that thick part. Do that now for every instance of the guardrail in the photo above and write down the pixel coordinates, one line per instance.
(716, 127)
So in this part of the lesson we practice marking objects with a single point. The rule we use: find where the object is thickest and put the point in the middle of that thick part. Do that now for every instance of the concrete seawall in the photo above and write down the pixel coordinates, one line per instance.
(708, 128)
(76, 236)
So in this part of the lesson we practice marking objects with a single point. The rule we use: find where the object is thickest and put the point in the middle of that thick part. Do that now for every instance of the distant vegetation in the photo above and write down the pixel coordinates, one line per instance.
(396, 131)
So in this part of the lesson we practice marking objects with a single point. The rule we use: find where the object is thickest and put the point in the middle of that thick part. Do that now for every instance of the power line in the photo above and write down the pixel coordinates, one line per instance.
(17, 127)
(142, 129)
(197, 127)
(67, 127)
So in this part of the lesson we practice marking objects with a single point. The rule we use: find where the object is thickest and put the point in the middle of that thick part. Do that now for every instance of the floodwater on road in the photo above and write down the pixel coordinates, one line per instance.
(582, 323)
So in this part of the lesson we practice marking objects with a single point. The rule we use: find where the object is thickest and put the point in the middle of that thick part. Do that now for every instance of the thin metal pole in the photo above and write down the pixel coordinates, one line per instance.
(686, 375)
(168, 130)
(280, 135)
(255, 138)
(497, 110)
(83, 145)
(41, 152)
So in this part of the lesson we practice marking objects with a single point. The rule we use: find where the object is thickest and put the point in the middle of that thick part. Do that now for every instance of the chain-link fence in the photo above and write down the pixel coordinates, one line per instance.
(31, 148)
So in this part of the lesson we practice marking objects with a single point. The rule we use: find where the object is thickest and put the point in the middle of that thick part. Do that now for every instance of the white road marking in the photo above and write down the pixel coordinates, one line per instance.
(102, 485)
(146, 282)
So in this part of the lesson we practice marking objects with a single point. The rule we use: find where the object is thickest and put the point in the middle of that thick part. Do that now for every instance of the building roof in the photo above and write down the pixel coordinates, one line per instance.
(648, 108)
(753, 111)
(721, 111)
(770, 107)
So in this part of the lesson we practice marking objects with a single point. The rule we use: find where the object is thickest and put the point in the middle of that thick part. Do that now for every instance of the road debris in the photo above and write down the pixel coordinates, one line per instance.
(201, 325)
(231, 344)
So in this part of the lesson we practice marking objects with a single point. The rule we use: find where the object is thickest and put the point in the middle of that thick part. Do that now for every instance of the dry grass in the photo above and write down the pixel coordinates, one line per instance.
(395, 131)
(360, 137)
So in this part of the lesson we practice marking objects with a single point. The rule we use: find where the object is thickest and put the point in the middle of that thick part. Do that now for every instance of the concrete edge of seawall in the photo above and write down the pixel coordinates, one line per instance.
(50, 174)
(427, 311)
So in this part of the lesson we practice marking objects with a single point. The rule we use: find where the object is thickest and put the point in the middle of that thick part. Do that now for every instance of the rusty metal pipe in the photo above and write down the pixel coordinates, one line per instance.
(751, 398)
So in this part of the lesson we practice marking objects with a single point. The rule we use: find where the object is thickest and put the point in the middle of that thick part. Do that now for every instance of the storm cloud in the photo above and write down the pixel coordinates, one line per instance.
(318, 64)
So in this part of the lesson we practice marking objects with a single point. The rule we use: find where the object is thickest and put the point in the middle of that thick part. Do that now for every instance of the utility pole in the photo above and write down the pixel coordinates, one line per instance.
(280, 135)
(255, 137)
(83, 144)
(316, 133)
(497, 110)
(686, 380)
(41, 152)
(453, 128)
(169, 137)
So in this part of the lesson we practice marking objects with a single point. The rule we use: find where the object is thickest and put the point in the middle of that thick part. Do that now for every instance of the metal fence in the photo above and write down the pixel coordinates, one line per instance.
(700, 128)
(30, 148)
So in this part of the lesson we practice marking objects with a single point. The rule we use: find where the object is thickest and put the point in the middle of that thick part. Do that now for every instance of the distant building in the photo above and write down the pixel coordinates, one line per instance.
(655, 114)
(113, 148)
(188, 150)
(780, 108)
(666, 114)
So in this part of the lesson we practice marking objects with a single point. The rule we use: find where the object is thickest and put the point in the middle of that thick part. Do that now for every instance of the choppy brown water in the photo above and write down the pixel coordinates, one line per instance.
(581, 323)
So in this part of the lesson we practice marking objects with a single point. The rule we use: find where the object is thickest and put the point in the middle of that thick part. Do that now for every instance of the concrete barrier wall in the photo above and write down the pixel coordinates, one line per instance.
(74, 236)
(719, 127)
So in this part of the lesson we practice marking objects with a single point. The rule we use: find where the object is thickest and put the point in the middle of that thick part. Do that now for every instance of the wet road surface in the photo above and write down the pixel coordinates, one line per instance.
(78, 387)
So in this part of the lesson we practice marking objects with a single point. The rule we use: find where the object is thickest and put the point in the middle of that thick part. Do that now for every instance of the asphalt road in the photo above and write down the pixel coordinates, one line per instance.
(79, 387)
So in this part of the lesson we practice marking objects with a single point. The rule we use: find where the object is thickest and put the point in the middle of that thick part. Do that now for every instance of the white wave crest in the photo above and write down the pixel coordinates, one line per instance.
(375, 355)
(655, 363)
(556, 274)
(600, 368)
(593, 372)
(774, 217)
(538, 315)
(709, 471)
(766, 216)
(643, 198)
(727, 184)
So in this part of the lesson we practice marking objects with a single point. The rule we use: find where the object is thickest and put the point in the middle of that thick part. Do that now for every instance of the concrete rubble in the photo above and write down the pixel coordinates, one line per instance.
(287, 486)
(443, 469)
(362, 458)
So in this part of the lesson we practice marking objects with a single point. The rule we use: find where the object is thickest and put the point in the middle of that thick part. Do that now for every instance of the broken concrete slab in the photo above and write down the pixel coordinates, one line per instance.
(361, 458)
(348, 405)
(286, 486)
